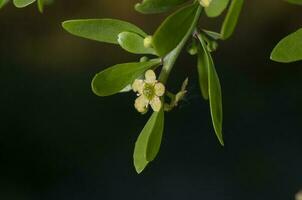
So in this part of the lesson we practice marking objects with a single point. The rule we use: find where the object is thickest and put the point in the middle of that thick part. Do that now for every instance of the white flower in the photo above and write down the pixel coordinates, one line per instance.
(148, 91)
(205, 3)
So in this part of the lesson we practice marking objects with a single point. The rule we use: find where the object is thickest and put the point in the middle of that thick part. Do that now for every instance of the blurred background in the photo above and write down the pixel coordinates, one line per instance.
(60, 141)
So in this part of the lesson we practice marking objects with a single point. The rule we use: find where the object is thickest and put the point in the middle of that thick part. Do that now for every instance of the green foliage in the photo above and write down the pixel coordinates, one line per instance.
(23, 3)
(177, 24)
(298, 2)
(134, 43)
(157, 6)
(231, 19)
(3, 2)
(216, 8)
(214, 88)
(102, 30)
(43, 3)
(202, 67)
(166, 46)
(167, 43)
(114, 79)
(148, 143)
(289, 49)
(40, 5)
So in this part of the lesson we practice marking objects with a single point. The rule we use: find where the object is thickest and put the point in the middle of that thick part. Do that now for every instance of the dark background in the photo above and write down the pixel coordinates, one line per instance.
(60, 141)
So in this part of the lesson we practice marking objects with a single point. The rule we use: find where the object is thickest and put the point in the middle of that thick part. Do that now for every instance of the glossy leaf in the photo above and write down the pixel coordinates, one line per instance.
(231, 19)
(157, 6)
(3, 2)
(215, 96)
(133, 43)
(202, 67)
(289, 49)
(114, 79)
(102, 30)
(216, 7)
(23, 3)
(148, 143)
(173, 29)
(298, 2)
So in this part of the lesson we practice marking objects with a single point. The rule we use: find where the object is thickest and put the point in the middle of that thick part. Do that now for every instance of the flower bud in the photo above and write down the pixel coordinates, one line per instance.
(148, 41)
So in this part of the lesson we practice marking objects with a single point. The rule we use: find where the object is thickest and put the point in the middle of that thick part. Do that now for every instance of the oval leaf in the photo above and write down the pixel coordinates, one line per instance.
(231, 19)
(148, 142)
(114, 79)
(157, 6)
(215, 97)
(289, 49)
(216, 7)
(102, 30)
(173, 29)
(23, 3)
(133, 43)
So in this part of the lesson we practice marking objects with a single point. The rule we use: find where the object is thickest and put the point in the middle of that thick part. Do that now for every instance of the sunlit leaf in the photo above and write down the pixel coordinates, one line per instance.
(157, 6)
(231, 19)
(148, 143)
(216, 7)
(289, 49)
(215, 96)
(173, 29)
(134, 43)
(23, 3)
(102, 30)
(114, 79)
(298, 2)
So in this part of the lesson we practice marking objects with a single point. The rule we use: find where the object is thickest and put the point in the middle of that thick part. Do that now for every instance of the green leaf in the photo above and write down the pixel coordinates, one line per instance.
(202, 66)
(41, 5)
(173, 29)
(23, 3)
(298, 2)
(212, 34)
(215, 96)
(231, 18)
(114, 79)
(102, 30)
(216, 7)
(148, 143)
(134, 43)
(3, 2)
(157, 6)
(289, 49)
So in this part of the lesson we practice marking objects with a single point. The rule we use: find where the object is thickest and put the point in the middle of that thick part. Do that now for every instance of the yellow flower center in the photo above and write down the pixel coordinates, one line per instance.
(149, 91)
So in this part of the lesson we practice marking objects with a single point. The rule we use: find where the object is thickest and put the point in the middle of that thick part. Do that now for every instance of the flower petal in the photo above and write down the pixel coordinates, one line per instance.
(150, 76)
(156, 104)
(138, 86)
(141, 104)
(159, 89)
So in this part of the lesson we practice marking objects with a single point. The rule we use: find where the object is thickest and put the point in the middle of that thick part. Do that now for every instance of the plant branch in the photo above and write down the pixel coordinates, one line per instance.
(171, 58)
